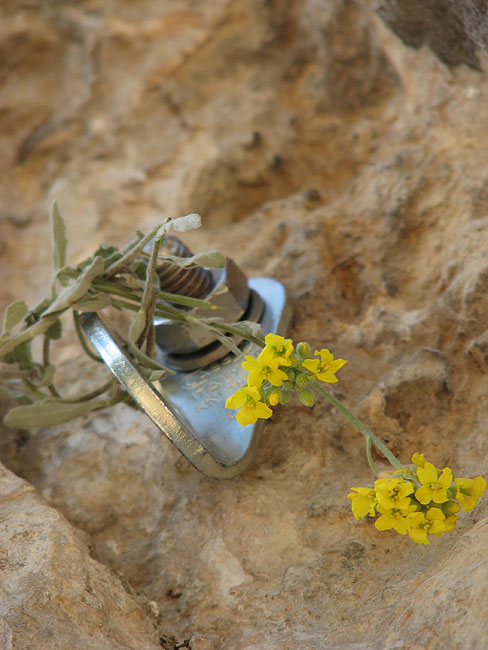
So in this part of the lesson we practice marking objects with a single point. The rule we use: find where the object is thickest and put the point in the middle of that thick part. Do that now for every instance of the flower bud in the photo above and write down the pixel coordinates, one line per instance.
(273, 397)
(306, 397)
(301, 380)
(284, 396)
(304, 350)
(452, 490)
(450, 507)
(291, 374)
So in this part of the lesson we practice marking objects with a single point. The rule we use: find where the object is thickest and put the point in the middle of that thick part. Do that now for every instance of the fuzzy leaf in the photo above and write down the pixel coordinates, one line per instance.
(55, 331)
(79, 288)
(137, 326)
(210, 259)
(144, 359)
(156, 375)
(40, 307)
(94, 302)
(59, 241)
(226, 342)
(20, 355)
(48, 414)
(248, 328)
(182, 224)
(14, 313)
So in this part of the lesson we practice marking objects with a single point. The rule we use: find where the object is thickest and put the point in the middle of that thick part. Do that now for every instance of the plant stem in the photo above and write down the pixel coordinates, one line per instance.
(131, 253)
(234, 330)
(359, 425)
(35, 391)
(81, 337)
(27, 334)
(45, 362)
(88, 396)
(369, 457)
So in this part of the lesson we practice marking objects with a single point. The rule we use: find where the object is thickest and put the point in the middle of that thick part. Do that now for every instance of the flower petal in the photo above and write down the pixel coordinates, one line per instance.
(427, 473)
(424, 494)
(445, 479)
(246, 416)
(262, 411)
(236, 400)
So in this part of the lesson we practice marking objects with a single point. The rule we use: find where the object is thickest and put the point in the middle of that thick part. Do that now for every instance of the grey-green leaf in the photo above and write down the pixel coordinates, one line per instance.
(59, 241)
(79, 288)
(48, 414)
(55, 331)
(156, 375)
(145, 360)
(14, 314)
(248, 328)
(210, 259)
(94, 302)
(137, 326)
(20, 355)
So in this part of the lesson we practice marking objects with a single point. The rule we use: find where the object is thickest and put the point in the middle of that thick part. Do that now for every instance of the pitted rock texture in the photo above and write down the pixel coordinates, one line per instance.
(52, 593)
(320, 151)
(453, 30)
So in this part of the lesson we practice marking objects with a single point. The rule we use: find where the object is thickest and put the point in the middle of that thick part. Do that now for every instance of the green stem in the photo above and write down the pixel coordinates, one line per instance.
(45, 362)
(88, 396)
(359, 425)
(35, 391)
(235, 330)
(118, 290)
(369, 457)
(27, 334)
(135, 294)
(131, 253)
(81, 337)
(176, 299)
(152, 281)
(166, 312)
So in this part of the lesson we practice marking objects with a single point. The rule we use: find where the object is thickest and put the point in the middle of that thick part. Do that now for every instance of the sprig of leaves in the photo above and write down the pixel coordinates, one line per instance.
(122, 278)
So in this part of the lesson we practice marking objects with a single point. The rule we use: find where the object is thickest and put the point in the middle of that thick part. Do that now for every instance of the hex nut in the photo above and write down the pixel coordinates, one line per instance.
(230, 292)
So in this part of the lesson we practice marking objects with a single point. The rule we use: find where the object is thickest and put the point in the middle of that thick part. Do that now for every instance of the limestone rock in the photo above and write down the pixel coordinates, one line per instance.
(323, 152)
(453, 30)
(53, 595)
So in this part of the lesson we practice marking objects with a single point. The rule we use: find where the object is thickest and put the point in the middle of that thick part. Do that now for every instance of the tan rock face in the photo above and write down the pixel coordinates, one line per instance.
(320, 151)
(52, 593)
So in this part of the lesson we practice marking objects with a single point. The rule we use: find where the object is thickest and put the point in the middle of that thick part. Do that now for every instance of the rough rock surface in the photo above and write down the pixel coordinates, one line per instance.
(453, 30)
(52, 593)
(321, 151)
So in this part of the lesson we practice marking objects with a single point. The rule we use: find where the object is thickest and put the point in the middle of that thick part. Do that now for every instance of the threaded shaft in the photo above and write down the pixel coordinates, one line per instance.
(194, 283)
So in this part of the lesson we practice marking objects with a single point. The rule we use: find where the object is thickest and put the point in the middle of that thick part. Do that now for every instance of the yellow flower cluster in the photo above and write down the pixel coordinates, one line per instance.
(278, 370)
(418, 499)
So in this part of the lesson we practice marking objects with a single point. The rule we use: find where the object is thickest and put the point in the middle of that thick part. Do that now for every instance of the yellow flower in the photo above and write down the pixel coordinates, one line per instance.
(396, 519)
(450, 507)
(469, 491)
(325, 369)
(433, 487)
(420, 525)
(248, 401)
(278, 348)
(363, 501)
(392, 493)
(263, 368)
(418, 459)
(274, 397)
(449, 524)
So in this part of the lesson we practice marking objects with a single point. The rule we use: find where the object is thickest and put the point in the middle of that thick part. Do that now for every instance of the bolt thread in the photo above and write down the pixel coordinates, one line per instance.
(194, 283)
